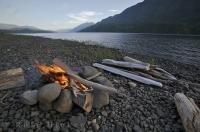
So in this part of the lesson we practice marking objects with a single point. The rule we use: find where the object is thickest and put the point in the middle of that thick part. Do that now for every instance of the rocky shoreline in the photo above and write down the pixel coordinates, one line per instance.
(144, 108)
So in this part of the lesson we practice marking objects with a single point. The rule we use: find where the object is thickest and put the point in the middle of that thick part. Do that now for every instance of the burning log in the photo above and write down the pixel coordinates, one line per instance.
(84, 100)
(131, 65)
(12, 78)
(189, 112)
(81, 80)
(128, 75)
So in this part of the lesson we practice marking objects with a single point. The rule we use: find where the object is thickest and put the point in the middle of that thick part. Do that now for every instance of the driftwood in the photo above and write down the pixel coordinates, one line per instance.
(188, 111)
(11, 78)
(155, 70)
(129, 59)
(128, 75)
(150, 77)
(131, 65)
(84, 100)
(81, 80)
(166, 74)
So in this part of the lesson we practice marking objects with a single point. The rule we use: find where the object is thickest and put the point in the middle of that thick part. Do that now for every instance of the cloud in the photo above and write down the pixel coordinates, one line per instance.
(113, 11)
(83, 16)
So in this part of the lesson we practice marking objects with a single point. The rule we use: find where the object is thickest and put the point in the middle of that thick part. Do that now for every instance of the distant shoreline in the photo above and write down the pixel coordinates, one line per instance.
(150, 34)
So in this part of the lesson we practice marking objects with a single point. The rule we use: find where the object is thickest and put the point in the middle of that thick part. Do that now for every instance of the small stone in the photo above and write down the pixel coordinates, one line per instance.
(89, 123)
(34, 113)
(132, 84)
(78, 121)
(56, 127)
(160, 112)
(104, 113)
(136, 128)
(95, 126)
(49, 93)
(64, 102)
(128, 107)
(88, 71)
(49, 124)
(45, 106)
(94, 121)
(115, 81)
(29, 97)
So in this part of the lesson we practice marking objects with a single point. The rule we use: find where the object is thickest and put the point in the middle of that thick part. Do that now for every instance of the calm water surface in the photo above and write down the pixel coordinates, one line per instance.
(183, 48)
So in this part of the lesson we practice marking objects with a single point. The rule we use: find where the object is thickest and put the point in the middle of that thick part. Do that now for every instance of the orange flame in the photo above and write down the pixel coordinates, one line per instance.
(58, 75)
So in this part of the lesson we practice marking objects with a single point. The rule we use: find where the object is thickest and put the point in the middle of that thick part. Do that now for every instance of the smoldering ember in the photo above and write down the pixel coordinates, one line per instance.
(119, 93)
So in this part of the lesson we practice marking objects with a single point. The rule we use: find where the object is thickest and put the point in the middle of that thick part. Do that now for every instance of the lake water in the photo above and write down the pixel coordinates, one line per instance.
(181, 48)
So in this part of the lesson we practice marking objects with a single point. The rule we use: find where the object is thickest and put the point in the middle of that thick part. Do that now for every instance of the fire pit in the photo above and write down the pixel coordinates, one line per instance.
(65, 89)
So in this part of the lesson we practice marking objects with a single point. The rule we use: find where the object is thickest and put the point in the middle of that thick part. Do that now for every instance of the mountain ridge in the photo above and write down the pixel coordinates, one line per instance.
(12, 28)
(154, 16)
(77, 28)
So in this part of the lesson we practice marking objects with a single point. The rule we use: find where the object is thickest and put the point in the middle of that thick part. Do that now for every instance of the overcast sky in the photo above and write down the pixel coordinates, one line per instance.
(59, 14)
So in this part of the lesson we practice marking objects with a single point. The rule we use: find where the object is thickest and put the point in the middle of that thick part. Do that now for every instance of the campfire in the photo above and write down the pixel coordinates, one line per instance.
(56, 74)
(66, 88)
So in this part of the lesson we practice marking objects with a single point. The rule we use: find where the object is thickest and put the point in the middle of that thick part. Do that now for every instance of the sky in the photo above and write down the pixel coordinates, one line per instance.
(59, 14)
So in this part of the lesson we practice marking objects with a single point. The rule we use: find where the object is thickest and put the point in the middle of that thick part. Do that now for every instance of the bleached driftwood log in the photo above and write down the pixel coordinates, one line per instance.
(188, 111)
(139, 73)
(166, 74)
(154, 70)
(161, 75)
(123, 64)
(129, 59)
(128, 75)
(58, 62)
(11, 78)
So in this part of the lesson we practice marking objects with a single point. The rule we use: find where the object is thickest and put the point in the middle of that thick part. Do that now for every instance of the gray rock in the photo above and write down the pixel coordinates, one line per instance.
(78, 121)
(132, 85)
(64, 102)
(101, 98)
(30, 97)
(45, 106)
(49, 93)
(88, 71)
(103, 80)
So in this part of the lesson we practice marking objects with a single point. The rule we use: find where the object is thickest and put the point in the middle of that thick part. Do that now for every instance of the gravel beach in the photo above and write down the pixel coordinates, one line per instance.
(143, 108)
